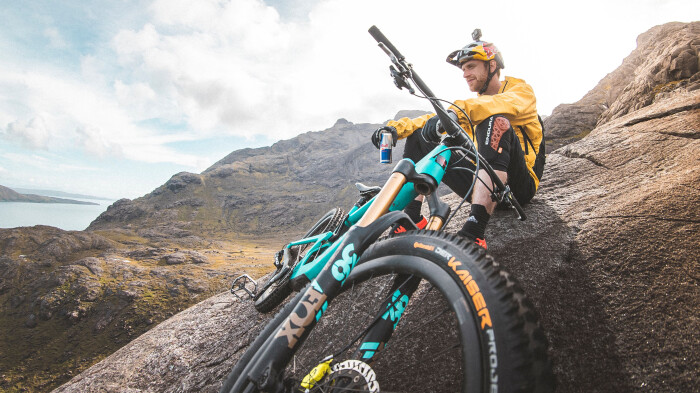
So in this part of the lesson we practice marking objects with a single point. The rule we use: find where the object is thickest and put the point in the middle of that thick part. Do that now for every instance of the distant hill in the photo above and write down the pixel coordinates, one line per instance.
(282, 188)
(10, 195)
(54, 193)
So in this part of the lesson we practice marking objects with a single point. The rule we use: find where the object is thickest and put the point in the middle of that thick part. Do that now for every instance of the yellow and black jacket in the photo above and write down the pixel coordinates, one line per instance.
(516, 101)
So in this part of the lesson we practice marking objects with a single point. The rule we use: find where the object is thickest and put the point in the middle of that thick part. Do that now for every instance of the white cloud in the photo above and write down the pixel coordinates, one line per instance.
(187, 72)
(239, 68)
(33, 133)
(94, 142)
(63, 110)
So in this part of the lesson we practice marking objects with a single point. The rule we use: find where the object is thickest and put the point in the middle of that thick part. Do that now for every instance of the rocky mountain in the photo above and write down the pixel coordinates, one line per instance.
(10, 195)
(665, 60)
(282, 188)
(608, 253)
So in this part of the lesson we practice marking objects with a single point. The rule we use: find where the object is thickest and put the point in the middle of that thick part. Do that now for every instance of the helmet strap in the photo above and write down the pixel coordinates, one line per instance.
(488, 78)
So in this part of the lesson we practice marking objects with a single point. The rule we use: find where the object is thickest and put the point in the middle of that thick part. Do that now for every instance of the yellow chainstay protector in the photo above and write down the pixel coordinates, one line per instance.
(316, 374)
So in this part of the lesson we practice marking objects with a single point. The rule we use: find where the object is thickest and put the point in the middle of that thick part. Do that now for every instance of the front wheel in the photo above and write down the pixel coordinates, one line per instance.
(467, 327)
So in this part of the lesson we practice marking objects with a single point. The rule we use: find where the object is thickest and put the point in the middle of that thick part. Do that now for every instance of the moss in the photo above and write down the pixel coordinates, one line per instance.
(666, 87)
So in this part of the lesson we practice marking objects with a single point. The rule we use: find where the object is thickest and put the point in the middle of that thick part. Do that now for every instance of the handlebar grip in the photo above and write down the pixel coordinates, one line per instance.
(381, 38)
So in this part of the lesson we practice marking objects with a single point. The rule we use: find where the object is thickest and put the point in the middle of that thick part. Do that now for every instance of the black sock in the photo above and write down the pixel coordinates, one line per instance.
(413, 210)
(475, 226)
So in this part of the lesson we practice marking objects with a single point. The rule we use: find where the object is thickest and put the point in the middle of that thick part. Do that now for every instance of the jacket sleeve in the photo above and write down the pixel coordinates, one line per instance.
(405, 126)
(519, 100)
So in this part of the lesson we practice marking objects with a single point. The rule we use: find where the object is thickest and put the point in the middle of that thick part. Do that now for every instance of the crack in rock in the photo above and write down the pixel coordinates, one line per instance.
(665, 114)
(571, 154)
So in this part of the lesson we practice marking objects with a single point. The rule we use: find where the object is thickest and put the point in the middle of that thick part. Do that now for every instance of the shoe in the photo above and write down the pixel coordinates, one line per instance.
(420, 224)
(481, 242)
(471, 238)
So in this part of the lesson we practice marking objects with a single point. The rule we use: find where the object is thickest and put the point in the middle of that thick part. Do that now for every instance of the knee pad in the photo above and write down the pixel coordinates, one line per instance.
(494, 138)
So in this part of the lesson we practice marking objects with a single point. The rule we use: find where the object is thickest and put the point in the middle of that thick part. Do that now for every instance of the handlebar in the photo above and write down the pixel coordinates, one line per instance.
(406, 71)
(381, 38)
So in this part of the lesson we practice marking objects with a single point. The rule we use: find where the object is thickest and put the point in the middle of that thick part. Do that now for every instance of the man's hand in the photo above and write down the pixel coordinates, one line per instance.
(439, 125)
(433, 130)
(377, 135)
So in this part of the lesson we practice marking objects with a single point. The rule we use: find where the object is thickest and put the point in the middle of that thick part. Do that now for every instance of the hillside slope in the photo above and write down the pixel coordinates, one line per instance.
(284, 187)
(665, 60)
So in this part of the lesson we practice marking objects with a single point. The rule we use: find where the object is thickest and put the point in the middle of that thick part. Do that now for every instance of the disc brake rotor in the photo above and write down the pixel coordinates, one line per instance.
(354, 376)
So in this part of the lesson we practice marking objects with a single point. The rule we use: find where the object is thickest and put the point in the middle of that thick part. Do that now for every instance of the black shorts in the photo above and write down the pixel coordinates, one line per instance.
(497, 143)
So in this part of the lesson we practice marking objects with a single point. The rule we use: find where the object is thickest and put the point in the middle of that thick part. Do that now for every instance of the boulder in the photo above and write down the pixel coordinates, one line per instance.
(666, 59)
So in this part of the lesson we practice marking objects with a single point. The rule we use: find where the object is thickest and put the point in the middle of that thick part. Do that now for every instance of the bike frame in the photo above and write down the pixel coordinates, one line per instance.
(329, 271)
(433, 164)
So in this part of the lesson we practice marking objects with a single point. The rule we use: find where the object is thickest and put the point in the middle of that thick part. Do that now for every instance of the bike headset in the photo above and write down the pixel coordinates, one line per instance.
(479, 50)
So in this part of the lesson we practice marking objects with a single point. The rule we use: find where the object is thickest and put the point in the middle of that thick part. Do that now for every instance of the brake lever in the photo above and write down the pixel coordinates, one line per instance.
(397, 62)
(400, 80)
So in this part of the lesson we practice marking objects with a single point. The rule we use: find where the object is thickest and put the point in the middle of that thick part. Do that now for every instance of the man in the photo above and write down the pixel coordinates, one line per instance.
(508, 134)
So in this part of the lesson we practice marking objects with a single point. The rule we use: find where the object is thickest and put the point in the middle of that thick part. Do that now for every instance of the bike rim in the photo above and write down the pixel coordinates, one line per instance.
(436, 309)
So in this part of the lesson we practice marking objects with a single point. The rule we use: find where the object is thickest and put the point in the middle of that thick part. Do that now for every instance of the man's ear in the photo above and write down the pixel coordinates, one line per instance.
(493, 66)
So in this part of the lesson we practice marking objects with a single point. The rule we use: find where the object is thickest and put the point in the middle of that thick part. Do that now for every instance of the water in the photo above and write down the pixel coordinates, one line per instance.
(61, 215)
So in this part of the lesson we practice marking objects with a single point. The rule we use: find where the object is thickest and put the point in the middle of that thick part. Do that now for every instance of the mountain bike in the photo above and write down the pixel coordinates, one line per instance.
(375, 312)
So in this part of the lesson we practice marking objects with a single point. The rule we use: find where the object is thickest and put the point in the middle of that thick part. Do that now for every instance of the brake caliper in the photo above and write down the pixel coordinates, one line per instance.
(316, 374)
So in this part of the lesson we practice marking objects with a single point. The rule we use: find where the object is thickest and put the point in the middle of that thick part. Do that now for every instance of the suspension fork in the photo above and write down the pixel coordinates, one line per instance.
(384, 199)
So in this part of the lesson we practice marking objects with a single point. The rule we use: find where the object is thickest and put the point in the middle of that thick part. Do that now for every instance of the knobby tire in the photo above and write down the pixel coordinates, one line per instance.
(441, 342)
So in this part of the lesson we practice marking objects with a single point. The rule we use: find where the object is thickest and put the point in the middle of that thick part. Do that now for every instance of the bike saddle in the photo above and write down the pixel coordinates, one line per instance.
(366, 190)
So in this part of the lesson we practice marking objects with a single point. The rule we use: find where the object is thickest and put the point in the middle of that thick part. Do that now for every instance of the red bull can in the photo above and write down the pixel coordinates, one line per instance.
(385, 144)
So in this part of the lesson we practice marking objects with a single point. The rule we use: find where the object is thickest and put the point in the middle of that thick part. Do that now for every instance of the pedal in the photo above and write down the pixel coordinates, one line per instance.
(244, 286)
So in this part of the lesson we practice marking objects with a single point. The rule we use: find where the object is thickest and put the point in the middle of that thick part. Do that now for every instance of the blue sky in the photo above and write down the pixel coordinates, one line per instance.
(111, 98)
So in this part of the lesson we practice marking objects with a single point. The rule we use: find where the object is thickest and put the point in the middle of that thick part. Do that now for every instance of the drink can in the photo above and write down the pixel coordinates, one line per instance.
(385, 145)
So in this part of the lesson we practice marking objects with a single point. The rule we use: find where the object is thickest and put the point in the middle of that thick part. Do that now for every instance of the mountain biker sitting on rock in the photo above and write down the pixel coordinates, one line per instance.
(508, 135)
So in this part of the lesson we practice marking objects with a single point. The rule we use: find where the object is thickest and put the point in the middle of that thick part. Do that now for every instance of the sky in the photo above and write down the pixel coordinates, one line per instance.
(113, 97)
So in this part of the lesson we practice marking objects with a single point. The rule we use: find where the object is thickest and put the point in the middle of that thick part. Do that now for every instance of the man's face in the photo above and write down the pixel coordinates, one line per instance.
(475, 72)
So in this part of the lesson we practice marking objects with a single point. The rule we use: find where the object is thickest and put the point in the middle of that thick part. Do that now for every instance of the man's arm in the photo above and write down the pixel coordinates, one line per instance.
(405, 126)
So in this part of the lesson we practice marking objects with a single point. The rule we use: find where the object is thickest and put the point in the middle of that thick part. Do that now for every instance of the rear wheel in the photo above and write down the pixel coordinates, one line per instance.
(278, 290)
(467, 327)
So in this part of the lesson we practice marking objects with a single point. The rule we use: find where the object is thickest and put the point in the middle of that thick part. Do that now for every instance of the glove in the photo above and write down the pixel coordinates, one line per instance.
(376, 136)
(440, 129)
(433, 129)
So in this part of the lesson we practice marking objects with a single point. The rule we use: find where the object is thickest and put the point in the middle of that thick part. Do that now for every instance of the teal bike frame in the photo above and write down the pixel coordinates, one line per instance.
(433, 164)
(341, 250)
